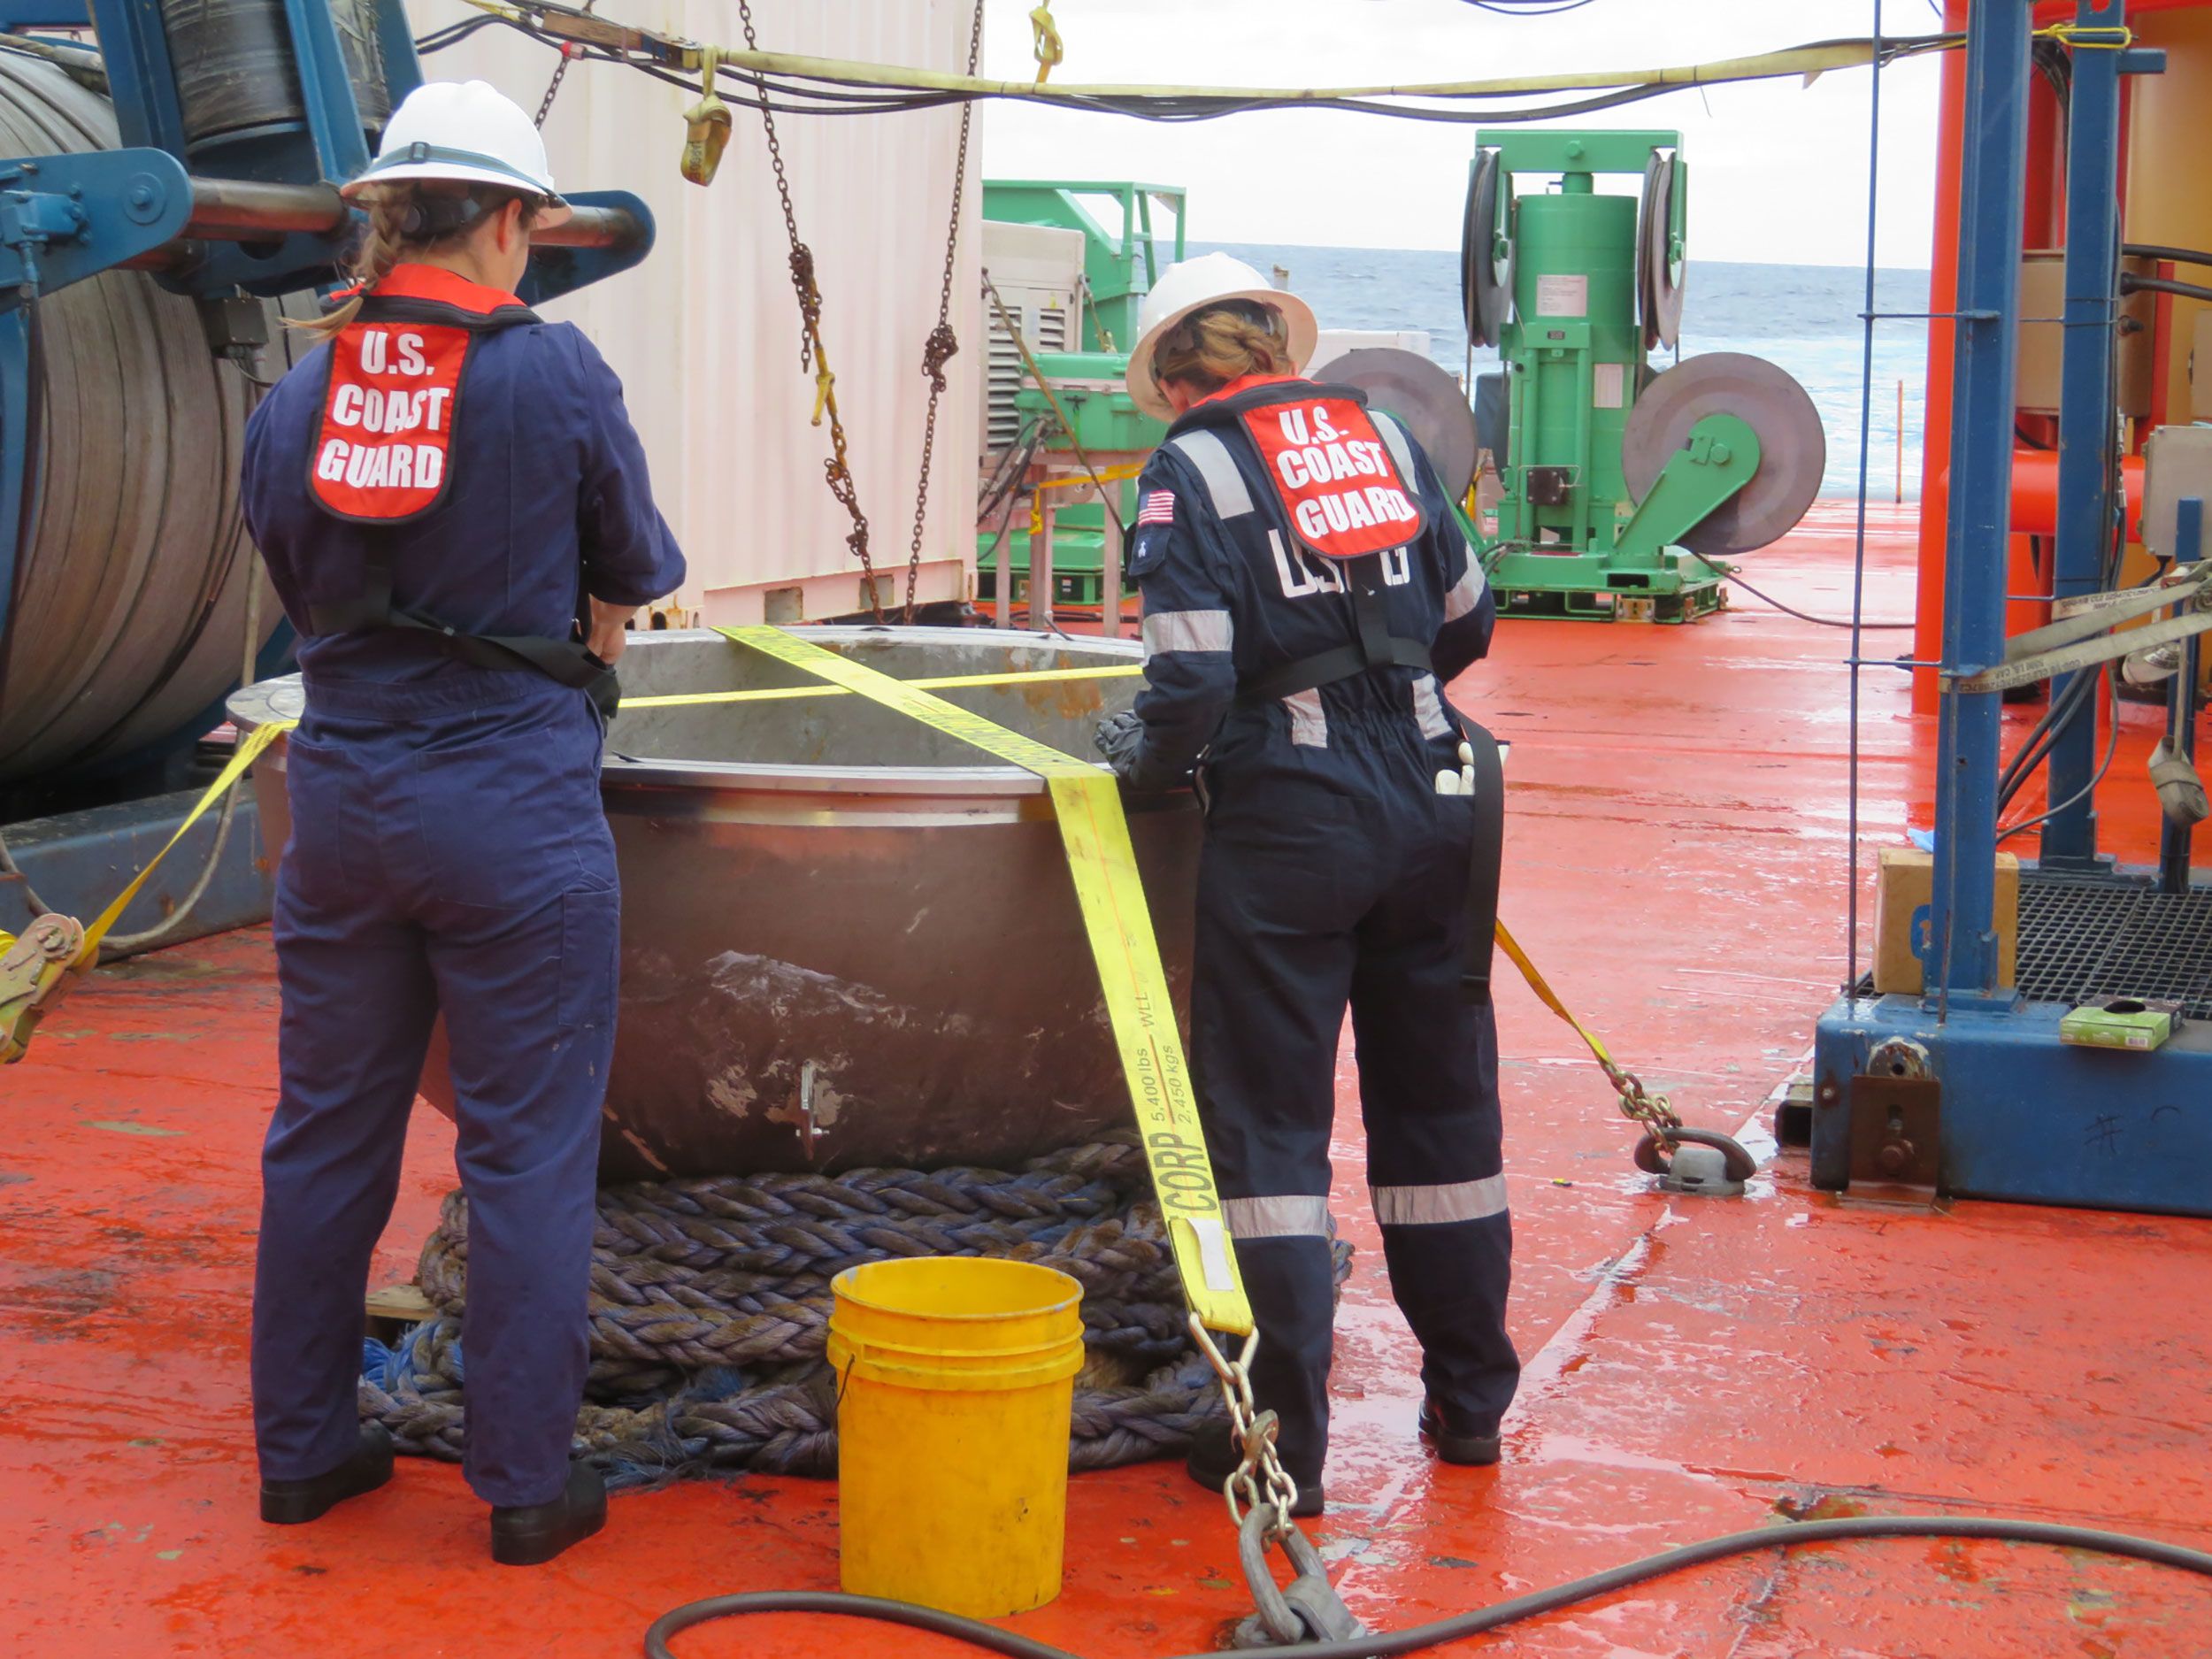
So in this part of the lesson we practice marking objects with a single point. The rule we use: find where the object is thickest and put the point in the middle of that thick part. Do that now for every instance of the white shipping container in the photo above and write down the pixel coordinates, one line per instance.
(705, 334)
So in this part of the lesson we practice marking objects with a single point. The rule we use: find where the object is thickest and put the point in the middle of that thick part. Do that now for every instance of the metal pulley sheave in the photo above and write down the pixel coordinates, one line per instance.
(1660, 261)
(1792, 446)
(1485, 251)
(1424, 396)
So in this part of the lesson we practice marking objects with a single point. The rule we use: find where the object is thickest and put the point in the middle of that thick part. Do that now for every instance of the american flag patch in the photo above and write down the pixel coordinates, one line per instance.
(1159, 507)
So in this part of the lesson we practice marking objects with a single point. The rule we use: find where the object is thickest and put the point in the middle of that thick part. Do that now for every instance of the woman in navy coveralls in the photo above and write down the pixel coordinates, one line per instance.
(446, 459)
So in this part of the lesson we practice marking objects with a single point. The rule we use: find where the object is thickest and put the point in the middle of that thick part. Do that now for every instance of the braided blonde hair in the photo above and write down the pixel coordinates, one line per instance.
(387, 240)
(1224, 343)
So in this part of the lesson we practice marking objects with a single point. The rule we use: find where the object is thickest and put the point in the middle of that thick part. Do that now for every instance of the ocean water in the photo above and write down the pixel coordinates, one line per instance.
(1805, 318)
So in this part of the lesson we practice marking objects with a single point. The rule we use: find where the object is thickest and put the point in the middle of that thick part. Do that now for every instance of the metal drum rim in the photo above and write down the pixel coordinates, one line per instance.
(250, 706)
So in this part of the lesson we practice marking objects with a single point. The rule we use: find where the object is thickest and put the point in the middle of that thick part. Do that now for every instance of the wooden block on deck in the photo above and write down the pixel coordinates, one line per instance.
(393, 1308)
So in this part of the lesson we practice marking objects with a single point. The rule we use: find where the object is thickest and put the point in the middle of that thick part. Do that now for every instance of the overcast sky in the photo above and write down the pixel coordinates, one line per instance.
(1777, 169)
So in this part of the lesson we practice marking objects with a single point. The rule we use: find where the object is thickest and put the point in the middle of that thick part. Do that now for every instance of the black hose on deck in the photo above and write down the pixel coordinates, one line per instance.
(1419, 1638)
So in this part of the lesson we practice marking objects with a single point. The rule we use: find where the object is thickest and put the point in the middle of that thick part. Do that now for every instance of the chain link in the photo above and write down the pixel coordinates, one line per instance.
(553, 88)
(942, 343)
(837, 471)
(1259, 1478)
(1640, 1105)
(569, 51)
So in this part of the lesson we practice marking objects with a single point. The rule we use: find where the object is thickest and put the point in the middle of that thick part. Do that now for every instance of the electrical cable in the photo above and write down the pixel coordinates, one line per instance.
(2035, 748)
(2130, 283)
(1420, 1638)
(1728, 573)
(2160, 250)
(2111, 749)
(805, 84)
(117, 943)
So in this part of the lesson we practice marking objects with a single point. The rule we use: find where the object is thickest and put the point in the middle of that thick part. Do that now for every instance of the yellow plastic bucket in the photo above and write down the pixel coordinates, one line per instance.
(955, 1384)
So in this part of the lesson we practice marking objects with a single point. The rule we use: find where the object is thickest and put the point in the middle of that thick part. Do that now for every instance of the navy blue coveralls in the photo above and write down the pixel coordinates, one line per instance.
(449, 854)
(1332, 873)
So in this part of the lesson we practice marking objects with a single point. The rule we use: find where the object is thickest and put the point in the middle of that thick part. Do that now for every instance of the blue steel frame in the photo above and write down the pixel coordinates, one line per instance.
(2088, 508)
(1992, 176)
(2024, 1115)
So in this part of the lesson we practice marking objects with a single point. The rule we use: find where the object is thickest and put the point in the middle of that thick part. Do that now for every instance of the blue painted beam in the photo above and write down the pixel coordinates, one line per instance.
(1992, 175)
(2088, 422)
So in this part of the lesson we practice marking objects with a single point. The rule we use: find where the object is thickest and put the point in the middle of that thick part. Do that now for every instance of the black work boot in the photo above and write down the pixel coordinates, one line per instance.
(1456, 1442)
(289, 1502)
(525, 1534)
(1214, 1457)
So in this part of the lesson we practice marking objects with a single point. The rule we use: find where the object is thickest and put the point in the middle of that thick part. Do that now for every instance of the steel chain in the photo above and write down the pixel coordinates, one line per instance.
(1259, 1478)
(553, 89)
(568, 52)
(1638, 1105)
(837, 471)
(942, 343)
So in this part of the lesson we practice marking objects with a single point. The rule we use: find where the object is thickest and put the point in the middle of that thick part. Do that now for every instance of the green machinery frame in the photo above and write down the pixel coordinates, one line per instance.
(1120, 264)
(1569, 541)
(1119, 267)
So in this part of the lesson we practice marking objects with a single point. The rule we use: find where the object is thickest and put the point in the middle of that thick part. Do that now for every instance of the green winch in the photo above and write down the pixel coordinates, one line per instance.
(1622, 490)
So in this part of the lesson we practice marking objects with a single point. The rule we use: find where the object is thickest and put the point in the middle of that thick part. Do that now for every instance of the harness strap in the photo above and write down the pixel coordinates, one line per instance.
(1486, 861)
(567, 662)
(1375, 648)
(1326, 668)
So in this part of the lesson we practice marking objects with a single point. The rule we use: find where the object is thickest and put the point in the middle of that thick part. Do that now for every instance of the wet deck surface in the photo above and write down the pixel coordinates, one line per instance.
(1676, 862)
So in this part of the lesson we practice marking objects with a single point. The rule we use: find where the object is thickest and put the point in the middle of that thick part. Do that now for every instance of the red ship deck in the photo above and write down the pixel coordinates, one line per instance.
(1677, 863)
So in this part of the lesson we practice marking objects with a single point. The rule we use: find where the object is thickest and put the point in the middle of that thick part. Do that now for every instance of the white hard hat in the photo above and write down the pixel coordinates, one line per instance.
(1191, 286)
(464, 130)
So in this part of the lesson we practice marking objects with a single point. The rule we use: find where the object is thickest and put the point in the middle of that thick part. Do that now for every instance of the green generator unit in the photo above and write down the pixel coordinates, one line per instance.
(1623, 490)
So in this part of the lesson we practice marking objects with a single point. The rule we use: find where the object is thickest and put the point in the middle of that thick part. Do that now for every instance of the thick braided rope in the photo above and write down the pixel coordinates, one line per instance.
(709, 1309)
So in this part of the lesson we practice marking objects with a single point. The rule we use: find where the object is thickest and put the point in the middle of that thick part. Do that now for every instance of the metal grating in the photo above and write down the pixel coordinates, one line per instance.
(2085, 939)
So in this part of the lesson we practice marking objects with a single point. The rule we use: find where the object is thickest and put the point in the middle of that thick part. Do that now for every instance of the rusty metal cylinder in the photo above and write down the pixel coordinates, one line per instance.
(238, 76)
(848, 939)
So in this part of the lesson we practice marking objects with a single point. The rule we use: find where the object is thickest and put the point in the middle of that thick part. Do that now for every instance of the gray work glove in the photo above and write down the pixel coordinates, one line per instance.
(1121, 738)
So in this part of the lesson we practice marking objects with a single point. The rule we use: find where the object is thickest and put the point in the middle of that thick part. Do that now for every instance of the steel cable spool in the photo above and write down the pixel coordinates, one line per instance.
(236, 76)
(129, 601)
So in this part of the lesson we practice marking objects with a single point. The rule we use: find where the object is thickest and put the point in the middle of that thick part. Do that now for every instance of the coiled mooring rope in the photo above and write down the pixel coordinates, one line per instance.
(710, 1300)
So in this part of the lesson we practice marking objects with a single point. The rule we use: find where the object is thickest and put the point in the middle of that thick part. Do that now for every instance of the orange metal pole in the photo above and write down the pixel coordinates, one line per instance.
(1935, 461)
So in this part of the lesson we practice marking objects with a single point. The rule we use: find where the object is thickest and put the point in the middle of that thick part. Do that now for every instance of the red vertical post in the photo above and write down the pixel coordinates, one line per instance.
(1935, 454)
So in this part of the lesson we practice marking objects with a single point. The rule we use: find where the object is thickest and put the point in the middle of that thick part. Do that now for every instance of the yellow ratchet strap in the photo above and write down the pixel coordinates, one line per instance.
(1086, 799)
(30, 985)
(941, 683)
(1548, 996)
